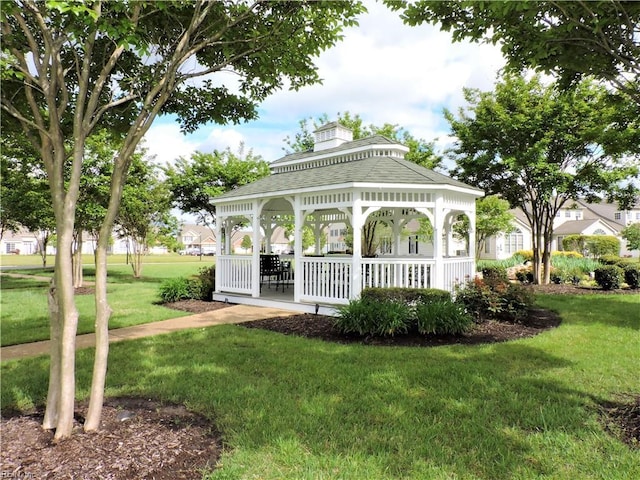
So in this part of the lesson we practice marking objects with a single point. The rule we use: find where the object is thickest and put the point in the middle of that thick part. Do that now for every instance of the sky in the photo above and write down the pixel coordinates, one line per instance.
(382, 70)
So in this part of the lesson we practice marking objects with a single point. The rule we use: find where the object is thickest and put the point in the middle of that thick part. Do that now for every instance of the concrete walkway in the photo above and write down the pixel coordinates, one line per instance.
(233, 314)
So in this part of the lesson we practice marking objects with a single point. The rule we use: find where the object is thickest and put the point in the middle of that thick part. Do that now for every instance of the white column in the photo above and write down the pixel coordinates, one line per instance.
(472, 235)
(268, 232)
(438, 247)
(228, 230)
(297, 248)
(218, 234)
(357, 221)
(449, 235)
(255, 261)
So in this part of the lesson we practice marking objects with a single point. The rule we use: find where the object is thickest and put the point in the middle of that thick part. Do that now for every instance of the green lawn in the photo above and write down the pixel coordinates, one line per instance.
(23, 303)
(293, 408)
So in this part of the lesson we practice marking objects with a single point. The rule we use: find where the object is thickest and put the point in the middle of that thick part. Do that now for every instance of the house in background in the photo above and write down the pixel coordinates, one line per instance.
(22, 242)
(194, 237)
(575, 218)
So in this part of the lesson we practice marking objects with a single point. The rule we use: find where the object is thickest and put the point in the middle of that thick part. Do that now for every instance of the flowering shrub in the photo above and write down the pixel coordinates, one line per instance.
(498, 299)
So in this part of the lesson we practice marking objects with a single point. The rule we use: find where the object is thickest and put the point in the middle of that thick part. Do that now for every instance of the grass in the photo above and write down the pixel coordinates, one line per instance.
(36, 260)
(24, 313)
(303, 409)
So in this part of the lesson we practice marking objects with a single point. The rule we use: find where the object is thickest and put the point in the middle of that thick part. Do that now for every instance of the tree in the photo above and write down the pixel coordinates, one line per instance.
(539, 147)
(195, 181)
(492, 218)
(246, 242)
(570, 39)
(25, 192)
(72, 68)
(631, 233)
(144, 209)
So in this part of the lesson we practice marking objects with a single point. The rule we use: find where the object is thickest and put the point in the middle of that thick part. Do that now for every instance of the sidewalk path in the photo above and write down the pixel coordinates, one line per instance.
(234, 314)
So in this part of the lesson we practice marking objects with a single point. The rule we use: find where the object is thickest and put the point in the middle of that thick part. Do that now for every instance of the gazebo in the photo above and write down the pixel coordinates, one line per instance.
(343, 181)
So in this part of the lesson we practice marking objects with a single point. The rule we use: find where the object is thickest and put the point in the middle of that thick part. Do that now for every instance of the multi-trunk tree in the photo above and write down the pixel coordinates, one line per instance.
(72, 68)
(539, 147)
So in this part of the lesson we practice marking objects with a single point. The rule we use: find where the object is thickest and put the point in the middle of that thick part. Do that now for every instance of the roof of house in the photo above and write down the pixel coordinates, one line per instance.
(575, 227)
(379, 170)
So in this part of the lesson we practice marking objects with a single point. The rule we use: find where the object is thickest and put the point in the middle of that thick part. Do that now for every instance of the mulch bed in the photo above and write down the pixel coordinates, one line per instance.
(167, 442)
(138, 439)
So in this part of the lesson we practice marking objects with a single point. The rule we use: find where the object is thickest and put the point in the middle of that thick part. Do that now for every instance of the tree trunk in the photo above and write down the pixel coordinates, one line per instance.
(65, 312)
(103, 313)
(55, 332)
(77, 261)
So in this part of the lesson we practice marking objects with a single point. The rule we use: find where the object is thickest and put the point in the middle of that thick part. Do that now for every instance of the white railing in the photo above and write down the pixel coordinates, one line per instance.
(328, 280)
(457, 271)
(235, 274)
(409, 273)
(325, 279)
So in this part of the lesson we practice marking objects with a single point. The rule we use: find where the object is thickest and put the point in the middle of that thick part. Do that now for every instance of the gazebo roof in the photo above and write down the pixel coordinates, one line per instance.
(373, 170)
(362, 142)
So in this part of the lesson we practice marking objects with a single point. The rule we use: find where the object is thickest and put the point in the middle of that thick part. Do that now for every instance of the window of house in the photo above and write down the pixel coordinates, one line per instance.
(413, 244)
(10, 247)
(514, 241)
(599, 232)
(578, 215)
(558, 214)
(567, 213)
(487, 246)
(187, 239)
(559, 242)
(637, 215)
(617, 216)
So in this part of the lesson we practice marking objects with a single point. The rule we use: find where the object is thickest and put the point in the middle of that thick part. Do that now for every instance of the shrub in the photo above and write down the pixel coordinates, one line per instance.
(598, 245)
(632, 275)
(494, 274)
(442, 318)
(409, 296)
(566, 254)
(526, 255)
(174, 289)
(207, 277)
(369, 317)
(609, 277)
(501, 300)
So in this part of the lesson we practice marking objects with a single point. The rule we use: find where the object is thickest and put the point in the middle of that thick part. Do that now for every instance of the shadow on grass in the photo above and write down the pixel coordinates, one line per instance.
(468, 411)
(13, 283)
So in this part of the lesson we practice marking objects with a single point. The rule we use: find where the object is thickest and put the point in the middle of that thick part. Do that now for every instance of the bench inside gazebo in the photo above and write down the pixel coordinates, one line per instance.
(347, 182)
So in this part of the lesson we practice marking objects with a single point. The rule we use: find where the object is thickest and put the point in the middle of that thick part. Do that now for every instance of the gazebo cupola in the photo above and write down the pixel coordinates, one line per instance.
(353, 183)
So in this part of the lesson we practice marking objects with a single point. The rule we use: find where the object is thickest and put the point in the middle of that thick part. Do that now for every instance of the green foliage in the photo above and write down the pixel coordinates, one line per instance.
(631, 233)
(504, 263)
(494, 299)
(193, 182)
(181, 288)
(409, 296)
(525, 255)
(539, 147)
(592, 245)
(616, 260)
(609, 277)
(632, 275)
(246, 242)
(367, 317)
(442, 318)
(494, 274)
(207, 277)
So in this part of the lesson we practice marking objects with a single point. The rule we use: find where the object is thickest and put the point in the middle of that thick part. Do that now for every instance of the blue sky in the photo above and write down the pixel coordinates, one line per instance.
(383, 70)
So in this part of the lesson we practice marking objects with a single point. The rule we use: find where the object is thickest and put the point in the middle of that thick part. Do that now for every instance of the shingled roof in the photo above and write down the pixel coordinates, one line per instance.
(378, 170)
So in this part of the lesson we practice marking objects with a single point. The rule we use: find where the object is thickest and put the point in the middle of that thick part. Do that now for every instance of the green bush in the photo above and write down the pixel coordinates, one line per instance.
(500, 300)
(526, 255)
(632, 275)
(442, 318)
(409, 296)
(609, 277)
(174, 289)
(207, 277)
(369, 317)
(495, 274)
(593, 245)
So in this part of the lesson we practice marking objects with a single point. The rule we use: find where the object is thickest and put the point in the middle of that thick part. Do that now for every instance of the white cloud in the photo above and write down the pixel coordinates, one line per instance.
(166, 143)
(383, 70)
